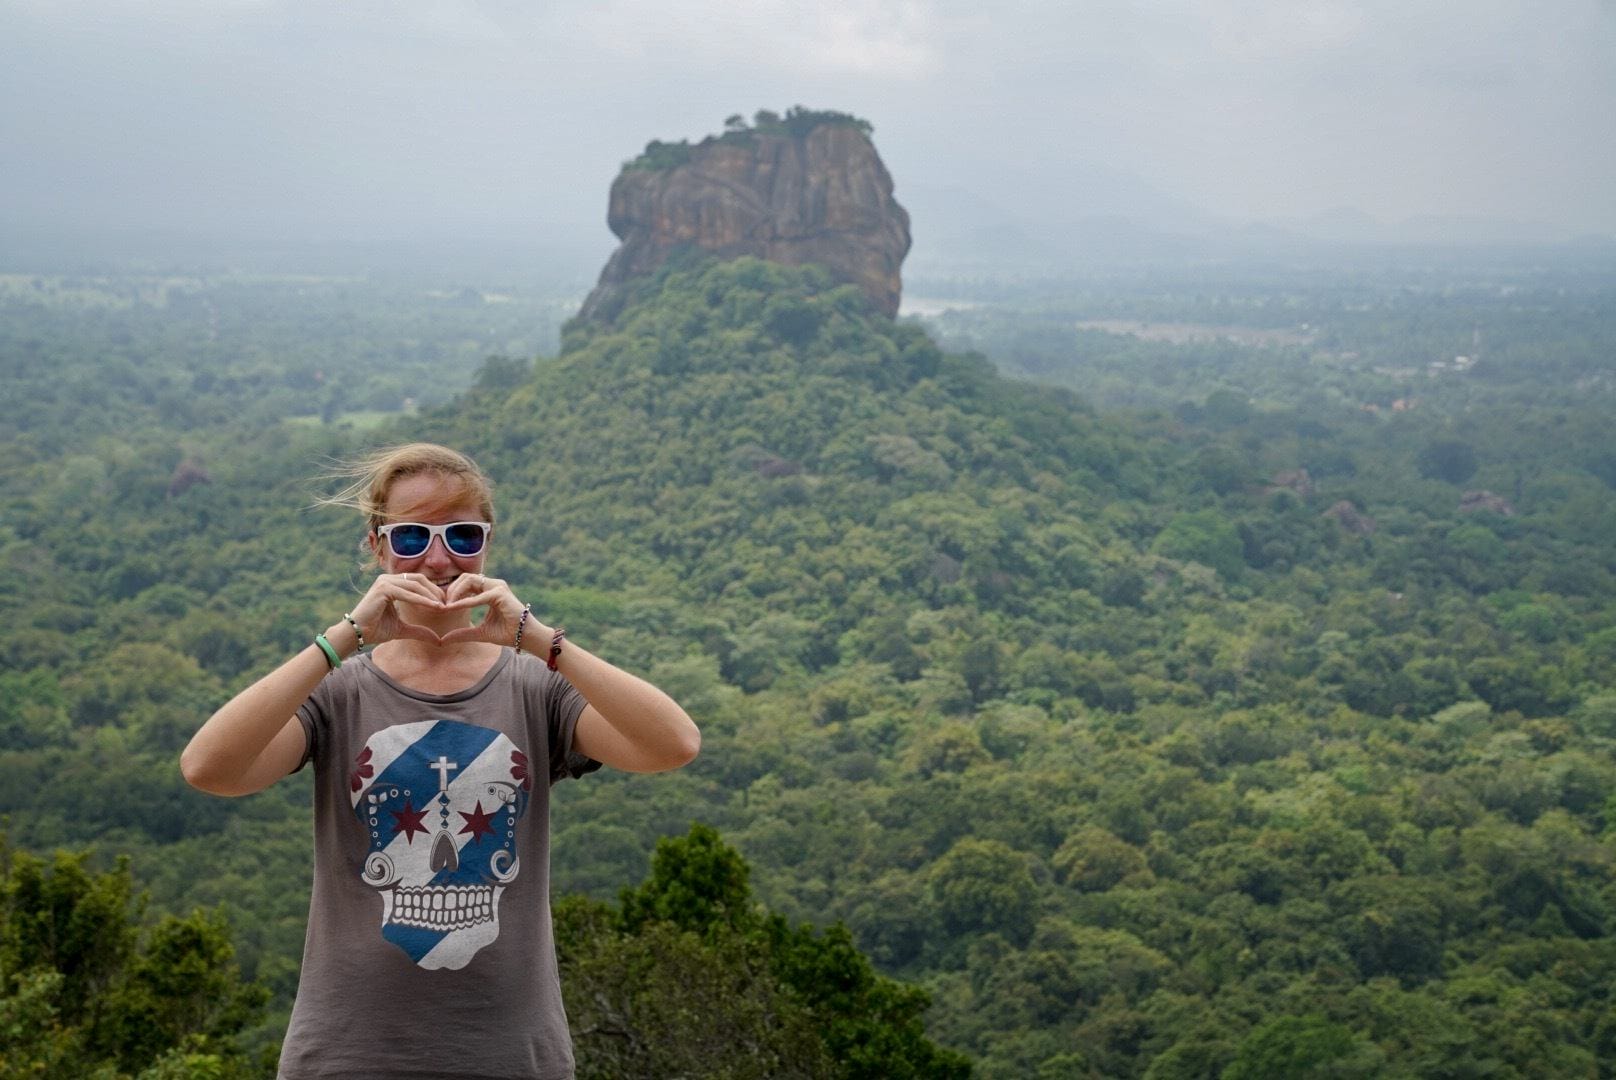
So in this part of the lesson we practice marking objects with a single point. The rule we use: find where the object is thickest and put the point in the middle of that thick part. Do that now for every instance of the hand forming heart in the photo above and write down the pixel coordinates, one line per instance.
(377, 612)
(379, 619)
(498, 624)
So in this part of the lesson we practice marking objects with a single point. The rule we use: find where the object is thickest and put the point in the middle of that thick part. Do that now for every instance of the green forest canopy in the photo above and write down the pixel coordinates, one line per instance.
(796, 123)
(1240, 727)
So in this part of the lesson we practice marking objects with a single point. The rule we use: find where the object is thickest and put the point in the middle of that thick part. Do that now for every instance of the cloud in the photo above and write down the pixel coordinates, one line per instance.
(372, 110)
(889, 39)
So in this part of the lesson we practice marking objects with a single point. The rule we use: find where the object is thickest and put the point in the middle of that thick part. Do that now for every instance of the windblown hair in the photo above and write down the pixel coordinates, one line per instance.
(371, 478)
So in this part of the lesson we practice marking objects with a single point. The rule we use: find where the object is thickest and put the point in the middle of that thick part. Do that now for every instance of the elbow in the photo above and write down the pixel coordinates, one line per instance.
(195, 770)
(678, 749)
(688, 746)
(201, 773)
(678, 743)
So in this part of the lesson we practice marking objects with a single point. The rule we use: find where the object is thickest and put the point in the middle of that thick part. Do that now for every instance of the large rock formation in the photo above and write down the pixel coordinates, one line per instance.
(808, 189)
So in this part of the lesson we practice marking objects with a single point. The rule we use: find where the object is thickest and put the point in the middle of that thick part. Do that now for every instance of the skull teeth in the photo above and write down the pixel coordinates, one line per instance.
(436, 907)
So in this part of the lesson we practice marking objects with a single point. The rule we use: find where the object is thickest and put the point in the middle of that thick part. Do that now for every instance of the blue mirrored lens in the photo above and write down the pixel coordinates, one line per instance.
(463, 539)
(409, 540)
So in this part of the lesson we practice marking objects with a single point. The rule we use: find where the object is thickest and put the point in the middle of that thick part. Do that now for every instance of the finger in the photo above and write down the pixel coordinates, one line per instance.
(496, 595)
(478, 632)
(489, 598)
(428, 584)
(468, 584)
(419, 633)
(376, 597)
(414, 581)
(415, 592)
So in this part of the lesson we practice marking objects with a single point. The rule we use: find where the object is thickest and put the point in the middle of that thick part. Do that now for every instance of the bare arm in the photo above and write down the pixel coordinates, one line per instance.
(628, 723)
(255, 738)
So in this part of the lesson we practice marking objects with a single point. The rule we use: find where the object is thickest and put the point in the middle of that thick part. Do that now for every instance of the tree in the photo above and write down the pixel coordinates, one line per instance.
(1447, 459)
(668, 1001)
(1227, 409)
(690, 977)
(697, 883)
(1303, 1048)
(1093, 860)
(85, 986)
(1220, 469)
(1206, 537)
(984, 885)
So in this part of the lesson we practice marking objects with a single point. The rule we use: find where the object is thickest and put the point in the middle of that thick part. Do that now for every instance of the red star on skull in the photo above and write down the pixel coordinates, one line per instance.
(408, 821)
(478, 822)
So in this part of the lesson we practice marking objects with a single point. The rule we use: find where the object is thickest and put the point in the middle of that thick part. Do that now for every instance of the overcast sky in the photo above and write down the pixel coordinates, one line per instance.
(361, 118)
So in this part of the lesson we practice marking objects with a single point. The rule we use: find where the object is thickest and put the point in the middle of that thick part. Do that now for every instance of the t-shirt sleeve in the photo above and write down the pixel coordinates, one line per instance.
(312, 714)
(563, 704)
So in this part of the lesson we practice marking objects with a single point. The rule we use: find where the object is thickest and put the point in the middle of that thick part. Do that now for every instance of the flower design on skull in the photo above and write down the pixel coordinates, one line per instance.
(452, 785)
(362, 770)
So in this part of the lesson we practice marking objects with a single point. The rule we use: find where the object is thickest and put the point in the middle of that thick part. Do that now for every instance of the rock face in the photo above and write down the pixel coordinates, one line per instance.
(1296, 480)
(815, 196)
(1485, 501)
(1350, 518)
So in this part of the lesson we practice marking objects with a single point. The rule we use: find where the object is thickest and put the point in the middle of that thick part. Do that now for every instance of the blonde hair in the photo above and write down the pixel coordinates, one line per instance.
(372, 476)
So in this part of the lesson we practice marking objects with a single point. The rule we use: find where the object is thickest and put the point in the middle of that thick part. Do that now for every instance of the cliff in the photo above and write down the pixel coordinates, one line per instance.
(797, 191)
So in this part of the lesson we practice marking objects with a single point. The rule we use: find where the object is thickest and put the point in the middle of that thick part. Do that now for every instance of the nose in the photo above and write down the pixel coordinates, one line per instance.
(437, 553)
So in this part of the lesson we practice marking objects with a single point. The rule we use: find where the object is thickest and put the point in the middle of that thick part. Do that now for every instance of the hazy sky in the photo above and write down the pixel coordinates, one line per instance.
(361, 118)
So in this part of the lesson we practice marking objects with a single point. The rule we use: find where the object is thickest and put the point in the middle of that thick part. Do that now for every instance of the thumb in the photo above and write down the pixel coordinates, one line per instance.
(465, 633)
(419, 633)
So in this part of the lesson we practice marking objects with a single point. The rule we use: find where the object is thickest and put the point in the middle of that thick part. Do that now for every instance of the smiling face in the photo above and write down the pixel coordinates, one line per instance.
(431, 498)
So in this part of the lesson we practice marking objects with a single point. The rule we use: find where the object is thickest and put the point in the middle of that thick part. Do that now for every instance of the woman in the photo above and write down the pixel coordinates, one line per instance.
(429, 950)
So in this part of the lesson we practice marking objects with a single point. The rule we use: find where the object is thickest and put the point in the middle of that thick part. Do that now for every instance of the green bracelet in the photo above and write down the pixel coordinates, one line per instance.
(331, 656)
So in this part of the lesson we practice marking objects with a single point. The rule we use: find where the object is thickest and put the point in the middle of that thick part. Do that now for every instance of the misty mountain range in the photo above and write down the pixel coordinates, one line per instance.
(1092, 217)
(1112, 218)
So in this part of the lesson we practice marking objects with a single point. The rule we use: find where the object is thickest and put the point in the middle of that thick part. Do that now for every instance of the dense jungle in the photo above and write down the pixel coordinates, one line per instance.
(1165, 672)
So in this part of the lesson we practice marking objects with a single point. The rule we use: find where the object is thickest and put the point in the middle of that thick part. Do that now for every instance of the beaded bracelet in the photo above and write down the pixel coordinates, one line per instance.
(357, 635)
(521, 624)
(555, 647)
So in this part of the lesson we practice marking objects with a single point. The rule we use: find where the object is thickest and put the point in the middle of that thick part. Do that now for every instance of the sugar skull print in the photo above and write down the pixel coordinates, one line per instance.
(440, 802)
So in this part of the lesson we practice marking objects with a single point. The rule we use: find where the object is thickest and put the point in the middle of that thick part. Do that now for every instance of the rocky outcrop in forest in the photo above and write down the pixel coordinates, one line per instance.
(806, 188)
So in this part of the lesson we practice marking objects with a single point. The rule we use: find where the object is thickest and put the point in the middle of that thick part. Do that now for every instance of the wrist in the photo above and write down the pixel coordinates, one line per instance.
(342, 638)
(551, 646)
(532, 636)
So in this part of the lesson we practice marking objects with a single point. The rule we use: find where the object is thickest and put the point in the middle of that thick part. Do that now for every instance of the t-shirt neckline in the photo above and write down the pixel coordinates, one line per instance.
(369, 663)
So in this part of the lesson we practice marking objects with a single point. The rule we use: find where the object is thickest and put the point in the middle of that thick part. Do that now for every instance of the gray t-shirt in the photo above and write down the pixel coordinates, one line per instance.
(429, 949)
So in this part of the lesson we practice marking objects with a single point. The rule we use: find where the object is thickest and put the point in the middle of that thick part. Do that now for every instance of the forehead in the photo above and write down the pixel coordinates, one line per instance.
(431, 497)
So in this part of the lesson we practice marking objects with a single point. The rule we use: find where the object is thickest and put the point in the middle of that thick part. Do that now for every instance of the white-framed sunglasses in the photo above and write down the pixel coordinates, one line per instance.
(410, 539)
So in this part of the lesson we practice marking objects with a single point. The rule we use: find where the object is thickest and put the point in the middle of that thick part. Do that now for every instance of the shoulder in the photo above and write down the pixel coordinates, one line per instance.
(354, 671)
(530, 670)
(341, 686)
(548, 692)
